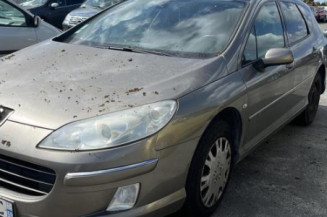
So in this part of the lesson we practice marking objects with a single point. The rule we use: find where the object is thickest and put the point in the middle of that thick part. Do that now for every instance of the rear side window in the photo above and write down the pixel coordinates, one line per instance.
(295, 24)
(310, 19)
(306, 14)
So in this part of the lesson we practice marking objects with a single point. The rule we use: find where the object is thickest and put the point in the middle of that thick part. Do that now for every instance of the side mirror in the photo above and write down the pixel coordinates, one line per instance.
(273, 57)
(325, 33)
(36, 21)
(54, 5)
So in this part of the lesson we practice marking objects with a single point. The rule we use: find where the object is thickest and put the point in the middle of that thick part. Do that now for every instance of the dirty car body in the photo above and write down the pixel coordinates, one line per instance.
(98, 110)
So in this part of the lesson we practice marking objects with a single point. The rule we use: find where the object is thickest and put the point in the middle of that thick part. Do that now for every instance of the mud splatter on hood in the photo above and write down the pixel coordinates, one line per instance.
(51, 84)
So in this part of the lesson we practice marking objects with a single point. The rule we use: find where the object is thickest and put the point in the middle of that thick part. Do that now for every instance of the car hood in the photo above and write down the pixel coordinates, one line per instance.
(51, 84)
(84, 12)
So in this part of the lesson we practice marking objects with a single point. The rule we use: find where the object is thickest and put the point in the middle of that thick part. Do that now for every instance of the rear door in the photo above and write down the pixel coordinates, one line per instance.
(305, 48)
(15, 33)
(268, 100)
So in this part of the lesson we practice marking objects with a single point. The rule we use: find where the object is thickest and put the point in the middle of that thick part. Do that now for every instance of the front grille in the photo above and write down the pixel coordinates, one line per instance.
(25, 177)
(76, 20)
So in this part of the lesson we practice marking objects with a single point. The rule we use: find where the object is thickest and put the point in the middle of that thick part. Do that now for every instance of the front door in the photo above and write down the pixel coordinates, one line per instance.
(268, 90)
(302, 42)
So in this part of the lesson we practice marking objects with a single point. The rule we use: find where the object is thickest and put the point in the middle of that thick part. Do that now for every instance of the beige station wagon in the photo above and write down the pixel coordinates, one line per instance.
(143, 109)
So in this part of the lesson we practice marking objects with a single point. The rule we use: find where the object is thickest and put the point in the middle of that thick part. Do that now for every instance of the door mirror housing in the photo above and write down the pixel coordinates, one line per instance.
(273, 57)
(325, 33)
(36, 22)
(54, 5)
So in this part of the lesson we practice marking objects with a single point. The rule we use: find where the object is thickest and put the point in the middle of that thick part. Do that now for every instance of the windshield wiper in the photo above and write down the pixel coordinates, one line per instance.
(135, 50)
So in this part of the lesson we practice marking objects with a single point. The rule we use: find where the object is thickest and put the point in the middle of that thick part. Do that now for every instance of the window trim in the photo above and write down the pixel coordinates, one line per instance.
(291, 44)
(252, 24)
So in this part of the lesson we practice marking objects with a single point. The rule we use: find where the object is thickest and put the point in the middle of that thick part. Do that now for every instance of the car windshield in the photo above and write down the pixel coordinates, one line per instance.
(177, 27)
(32, 3)
(99, 4)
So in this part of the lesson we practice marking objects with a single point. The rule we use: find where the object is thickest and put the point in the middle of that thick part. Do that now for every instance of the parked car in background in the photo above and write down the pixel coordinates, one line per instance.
(146, 106)
(87, 9)
(19, 28)
(315, 12)
(52, 11)
(322, 14)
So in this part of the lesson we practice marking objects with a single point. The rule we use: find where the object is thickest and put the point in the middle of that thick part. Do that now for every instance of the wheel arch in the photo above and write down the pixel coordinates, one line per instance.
(233, 118)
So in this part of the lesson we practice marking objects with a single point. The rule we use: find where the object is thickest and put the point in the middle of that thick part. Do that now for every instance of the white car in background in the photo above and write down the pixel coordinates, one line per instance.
(19, 28)
(87, 10)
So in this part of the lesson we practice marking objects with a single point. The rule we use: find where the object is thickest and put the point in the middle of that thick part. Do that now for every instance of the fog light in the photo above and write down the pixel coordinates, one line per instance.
(124, 198)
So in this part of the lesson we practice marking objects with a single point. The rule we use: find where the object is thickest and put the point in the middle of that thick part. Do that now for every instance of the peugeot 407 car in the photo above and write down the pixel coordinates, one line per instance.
(144, 108)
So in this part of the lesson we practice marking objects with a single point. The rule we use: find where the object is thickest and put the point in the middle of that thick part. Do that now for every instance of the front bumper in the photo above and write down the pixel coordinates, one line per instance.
(86, 181)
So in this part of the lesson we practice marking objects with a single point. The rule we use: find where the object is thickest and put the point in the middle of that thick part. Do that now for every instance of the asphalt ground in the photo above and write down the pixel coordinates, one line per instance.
(285, 176)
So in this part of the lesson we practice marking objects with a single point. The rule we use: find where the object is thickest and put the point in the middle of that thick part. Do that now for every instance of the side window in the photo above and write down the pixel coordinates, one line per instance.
(307, 15)
(267, 33)
(250, 52)
(295, 24)
(269, 29)
(10, 16)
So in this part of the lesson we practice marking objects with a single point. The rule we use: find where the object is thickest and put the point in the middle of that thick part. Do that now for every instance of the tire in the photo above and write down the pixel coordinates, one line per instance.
(308, 115)
(211, 163)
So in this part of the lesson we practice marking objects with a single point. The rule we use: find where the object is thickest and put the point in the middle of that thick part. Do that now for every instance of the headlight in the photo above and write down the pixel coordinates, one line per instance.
(113, 129)
(67, 18)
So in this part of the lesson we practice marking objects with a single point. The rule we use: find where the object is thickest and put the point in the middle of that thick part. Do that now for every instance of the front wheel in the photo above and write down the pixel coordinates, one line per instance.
(308, 115)
(209, 171)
